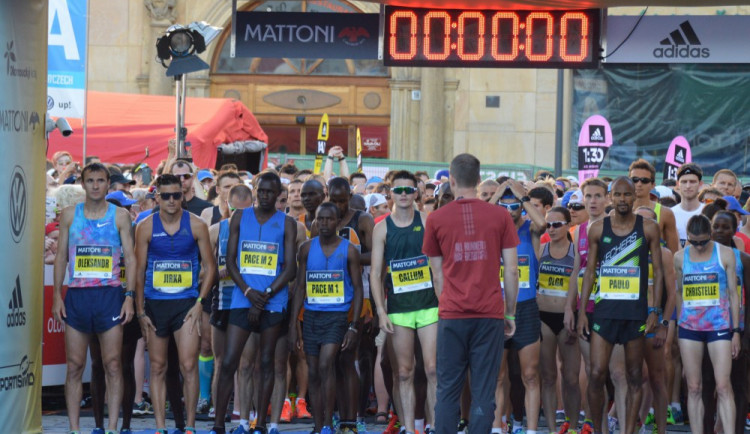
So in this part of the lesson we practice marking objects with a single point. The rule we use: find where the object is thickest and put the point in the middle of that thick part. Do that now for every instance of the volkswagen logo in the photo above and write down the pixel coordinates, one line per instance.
(17, 203)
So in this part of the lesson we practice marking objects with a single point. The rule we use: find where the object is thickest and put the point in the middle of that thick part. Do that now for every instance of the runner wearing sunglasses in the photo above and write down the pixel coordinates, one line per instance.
(642, 174)
(168, 244)
(708, 317)
(512, 196)
(555, 269)
(625, 306)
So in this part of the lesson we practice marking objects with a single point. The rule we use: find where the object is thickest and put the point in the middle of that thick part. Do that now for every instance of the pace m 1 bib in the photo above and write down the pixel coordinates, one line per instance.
(412, 274)
(523, 271)
(259, 257)
(325, 287)
(700, 290)
(172, 277)
(93, 262)
(619, 282)
(554, 280)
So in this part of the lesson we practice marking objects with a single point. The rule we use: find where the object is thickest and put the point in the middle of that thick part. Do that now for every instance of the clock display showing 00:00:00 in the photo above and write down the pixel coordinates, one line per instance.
(533, 39)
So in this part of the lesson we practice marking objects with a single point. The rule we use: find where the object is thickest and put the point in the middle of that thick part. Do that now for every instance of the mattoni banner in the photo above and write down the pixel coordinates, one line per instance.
(66, 75)
(23, 88)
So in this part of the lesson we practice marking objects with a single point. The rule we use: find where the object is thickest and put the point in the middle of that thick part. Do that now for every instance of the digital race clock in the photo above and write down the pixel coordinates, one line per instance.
(491, 38)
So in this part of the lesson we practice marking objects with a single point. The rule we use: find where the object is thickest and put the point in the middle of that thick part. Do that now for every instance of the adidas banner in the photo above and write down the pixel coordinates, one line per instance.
(678, 39)
(23, 92)
(677, 155)
(594, 141)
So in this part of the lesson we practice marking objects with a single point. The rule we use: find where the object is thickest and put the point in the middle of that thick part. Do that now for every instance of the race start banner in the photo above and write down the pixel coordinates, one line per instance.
(677, 155)
(66, 51)
(23, 90)
(594, 141)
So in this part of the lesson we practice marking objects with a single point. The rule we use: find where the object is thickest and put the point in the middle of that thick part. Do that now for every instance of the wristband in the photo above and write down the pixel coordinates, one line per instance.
(352, 329)
(247, 290)
(128, 293)
(140, 315)
(652, 310)
(342, 158)
(510, 317)
(330, 157)
(199, 299)
(736, 330)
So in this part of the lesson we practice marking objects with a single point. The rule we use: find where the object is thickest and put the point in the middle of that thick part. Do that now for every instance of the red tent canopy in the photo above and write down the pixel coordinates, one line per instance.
(121, 126)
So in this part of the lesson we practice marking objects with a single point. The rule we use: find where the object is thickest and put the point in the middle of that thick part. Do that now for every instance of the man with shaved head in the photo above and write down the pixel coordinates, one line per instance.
(313, 194)
(626, 307)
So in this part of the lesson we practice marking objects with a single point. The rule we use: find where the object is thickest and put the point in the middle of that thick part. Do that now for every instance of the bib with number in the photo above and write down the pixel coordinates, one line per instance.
(172, 277)
(592, 296)
(123, 277)
(93, 262)
(700, 290)
(412, 274)
(259, 257)
(227, 281)
(523, 272)
(325, 287)
(554, 280)
(619, 283)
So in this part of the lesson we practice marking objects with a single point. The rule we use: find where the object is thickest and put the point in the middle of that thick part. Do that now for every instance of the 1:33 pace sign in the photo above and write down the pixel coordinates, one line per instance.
(492, 38)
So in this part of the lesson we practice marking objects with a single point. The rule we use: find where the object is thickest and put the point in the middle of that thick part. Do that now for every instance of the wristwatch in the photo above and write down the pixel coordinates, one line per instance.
(269, 290)
(736, 330)
(525, 199)
(665, 322)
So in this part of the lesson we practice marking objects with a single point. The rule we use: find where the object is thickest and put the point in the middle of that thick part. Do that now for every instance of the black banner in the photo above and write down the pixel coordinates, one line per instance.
(307, 35)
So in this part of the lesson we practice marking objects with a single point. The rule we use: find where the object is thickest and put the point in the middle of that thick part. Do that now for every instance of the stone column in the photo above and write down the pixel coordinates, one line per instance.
(404, 131)
(431, 145)
(163, 14)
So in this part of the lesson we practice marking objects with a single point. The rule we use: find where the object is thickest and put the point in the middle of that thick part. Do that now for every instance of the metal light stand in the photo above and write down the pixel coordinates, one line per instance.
(180, 130)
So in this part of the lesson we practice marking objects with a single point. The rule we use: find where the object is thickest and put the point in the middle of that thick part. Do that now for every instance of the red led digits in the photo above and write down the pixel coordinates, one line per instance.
(412, 17)
(536, 57)
(479, 36)
(564, 55)
(427, 50)
(497, 37)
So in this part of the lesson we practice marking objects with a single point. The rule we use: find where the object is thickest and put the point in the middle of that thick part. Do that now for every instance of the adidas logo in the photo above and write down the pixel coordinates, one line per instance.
(681, 44)
(596, 134)
(16, 314)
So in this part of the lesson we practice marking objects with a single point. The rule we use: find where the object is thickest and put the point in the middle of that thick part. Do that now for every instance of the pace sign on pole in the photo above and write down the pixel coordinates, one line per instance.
(594, 141)
(66, 75)
(23, 92)
(677, 155)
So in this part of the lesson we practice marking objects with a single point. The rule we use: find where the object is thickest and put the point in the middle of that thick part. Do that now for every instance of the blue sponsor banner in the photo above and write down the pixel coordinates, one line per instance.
(66, 51)
(307, 35)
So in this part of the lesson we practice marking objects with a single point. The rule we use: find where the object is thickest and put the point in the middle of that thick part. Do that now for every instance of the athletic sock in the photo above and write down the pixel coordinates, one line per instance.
(419, 425)
(273, 426)
(245, 424)
(676, 406)
(530, 431)
(497, 430)
(205, 370)
(517, 424)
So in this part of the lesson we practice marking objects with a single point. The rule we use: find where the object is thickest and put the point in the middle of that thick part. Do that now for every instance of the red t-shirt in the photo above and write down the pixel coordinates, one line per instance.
(470, 235)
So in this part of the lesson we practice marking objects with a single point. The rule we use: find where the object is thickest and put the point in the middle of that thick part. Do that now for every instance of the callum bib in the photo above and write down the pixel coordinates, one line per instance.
(412, 274)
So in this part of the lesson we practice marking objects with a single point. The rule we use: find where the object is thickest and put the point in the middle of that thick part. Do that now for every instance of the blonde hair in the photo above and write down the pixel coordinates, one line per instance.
(68, 195)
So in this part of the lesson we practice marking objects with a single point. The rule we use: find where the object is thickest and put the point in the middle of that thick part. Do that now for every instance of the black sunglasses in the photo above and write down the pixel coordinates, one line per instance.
(697, 243)
(556, 224)
(185, 176)
(576, 206)
(401, 190)
(176, 195)
(636, 180)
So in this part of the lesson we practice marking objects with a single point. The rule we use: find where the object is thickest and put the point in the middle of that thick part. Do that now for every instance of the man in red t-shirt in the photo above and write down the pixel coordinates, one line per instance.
(465, 240)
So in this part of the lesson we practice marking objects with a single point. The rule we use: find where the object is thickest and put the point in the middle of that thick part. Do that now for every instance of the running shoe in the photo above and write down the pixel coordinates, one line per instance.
(142, 408)
(747, 421)
(239, 430)
(74, 432)
(273, 431)
(109, 432)
(202, 406)
(564, 428)
(612, 423)
(462, 425)
(641, 430)
(190, 430)
(677, 417)
(588, 427)
(361, 427)
(560, 416)
(519, 430)
(326, 430)
(335, 422)
(259, 430)
(670, 418)
(300, 408)
(97, 431)
(126, 431)
(176, 431)
(286, 412)
(393, 425)
(211, 413)
(649, 419)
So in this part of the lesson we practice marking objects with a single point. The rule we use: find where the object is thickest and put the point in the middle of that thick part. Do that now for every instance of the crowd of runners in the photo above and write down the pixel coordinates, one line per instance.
(442, 303)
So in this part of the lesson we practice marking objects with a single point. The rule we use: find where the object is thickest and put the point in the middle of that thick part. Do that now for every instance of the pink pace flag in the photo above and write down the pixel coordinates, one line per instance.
(677, 155)
(594, 141)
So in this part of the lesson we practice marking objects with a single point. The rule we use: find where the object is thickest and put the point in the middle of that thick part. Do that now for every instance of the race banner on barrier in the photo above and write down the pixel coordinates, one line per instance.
(677, 155)
(594, 141)
(66, 51)
(23, 89)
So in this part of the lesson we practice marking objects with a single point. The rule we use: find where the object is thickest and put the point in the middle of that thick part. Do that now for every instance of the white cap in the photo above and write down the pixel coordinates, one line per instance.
(374, 199)
(664, 191)
(576, 197)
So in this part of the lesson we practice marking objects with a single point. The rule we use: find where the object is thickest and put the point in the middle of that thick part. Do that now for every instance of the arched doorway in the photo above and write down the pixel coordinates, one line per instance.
(288, 96)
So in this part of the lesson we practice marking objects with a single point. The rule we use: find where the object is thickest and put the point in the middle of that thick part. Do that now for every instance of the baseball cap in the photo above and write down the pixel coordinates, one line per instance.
(663, 191)
(374, 199)
(374, 180)
(734, 205)
(572, 196)
(204, 174)
(442, 173)
(52, 227)
(119, 179)
(122, 198)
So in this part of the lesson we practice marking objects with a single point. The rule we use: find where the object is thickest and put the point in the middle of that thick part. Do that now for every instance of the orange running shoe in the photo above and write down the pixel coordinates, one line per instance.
(286, 412)
(301, 407)
(564, 428)
(587, 428)
(393, 425)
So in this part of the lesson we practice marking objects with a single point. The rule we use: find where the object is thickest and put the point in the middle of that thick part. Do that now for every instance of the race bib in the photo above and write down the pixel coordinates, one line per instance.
(123, 278)
(172, 277)
(523, 272)
(619, 283)
(650, 274)
(700, 290)
(259, 257)
(325, 287)
(554, 280)
(592, 296)
(227, 281)
(94, 262)
(411, 274)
